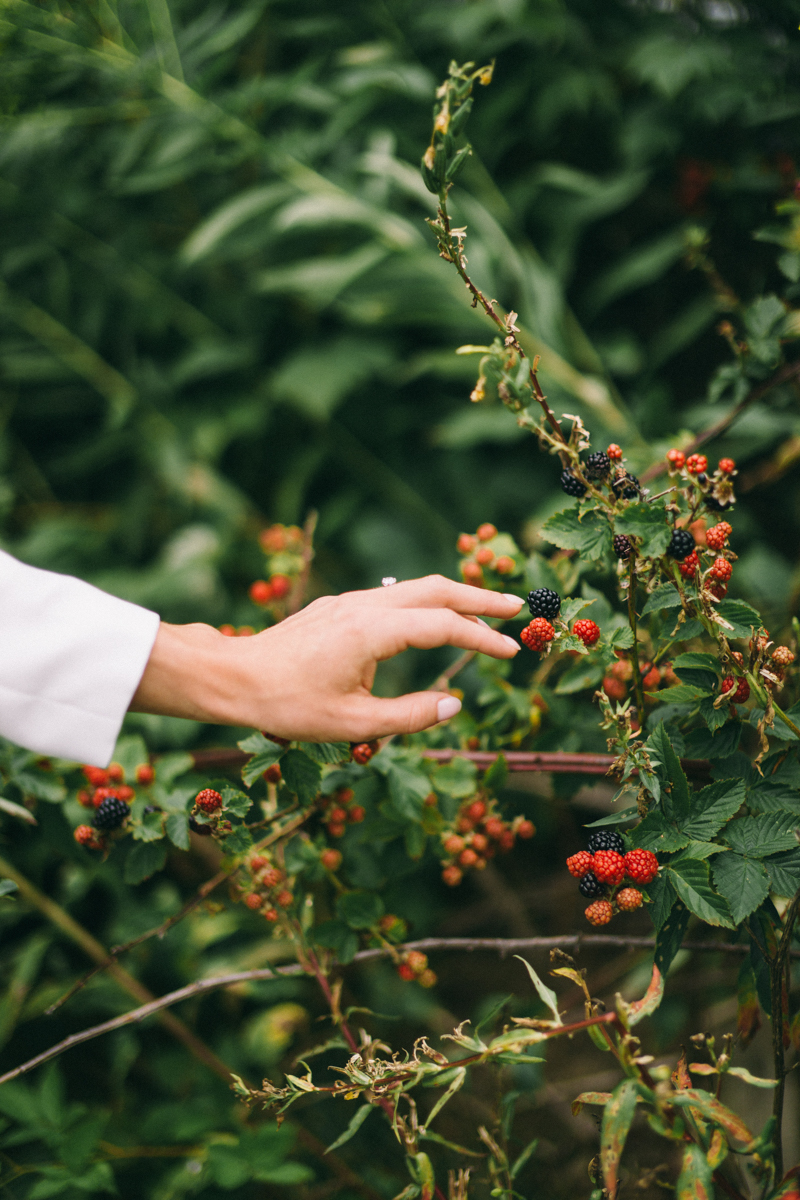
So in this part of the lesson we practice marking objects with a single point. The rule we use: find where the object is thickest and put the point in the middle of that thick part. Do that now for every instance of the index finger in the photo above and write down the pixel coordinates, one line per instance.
(436, 591)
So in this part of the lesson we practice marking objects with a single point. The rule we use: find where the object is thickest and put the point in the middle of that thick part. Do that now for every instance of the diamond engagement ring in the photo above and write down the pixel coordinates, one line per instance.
(388, 580)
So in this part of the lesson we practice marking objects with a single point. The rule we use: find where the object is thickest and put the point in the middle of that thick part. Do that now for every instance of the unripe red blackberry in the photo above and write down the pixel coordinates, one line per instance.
(696, 464)
(145, 774)
(284, 898)
(86, 836)
(614, 452)
(279, 585)
(622, 546)
(742, 693)
(721, 570)
(273, 774)
(544, 602)
(608, 867)
(454, 844)
(260, 592)
(599, 913)
(331, 859)
(452, 876)
(336, 831)
(495, 827)
(727, 466)
(479, 842)
(270, 914)
(417, 961)
(676, 459)
(681, 544)
(572, 485)
(427, 978)
(253, 900)
(257, 863)
(468, 857)
(406, 972)
(356, 814)
(525, 829)
(505, 565)
(651, 679)
(641, 866)
(688, 568)
(506, 841)
(96, 776)
(84, 798)
(362, 752)
(272, 877)
(606, 839)
(578, 864)
(111, 814)
(591, 887)
(337, 816)
(717, 535)
(125, 793)
(783, 656)
(719, 590)
(597, 465)
(476, 811)
(629, 899)
(208, 801)
(466, 543)
(614, 688)
(541, 630)
(487, 531)
(484, 556)
(472, 573)
(115, 772)
(587, 631)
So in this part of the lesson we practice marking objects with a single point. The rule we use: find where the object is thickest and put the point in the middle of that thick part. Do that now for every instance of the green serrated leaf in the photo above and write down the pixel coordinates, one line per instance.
(662, 897)
(681, 693)
(712, 806)
(257, 765)
(150, 828)
(649, 523)
(784, 872)
(691, 879)
(301, 774)
(659, 835)
(768, 833)
(143, 861)
(177, 826)
(256, 743)
(236, 801)
(670, 935)
(618, 818)
(458, 778)
(742, 881)
(239, 841)
(664, 596)
(741, 616)
(326, 753)
(360, 910)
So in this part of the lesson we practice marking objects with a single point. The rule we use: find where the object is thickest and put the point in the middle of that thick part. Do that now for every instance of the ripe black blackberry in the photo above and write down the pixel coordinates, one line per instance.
(626, 487)
(591, 887)
(622, 546)
(196, 827)
(111, 813)
(681, 544)
(572, 485)
(606, 839)
(597, 465)
(544, 602)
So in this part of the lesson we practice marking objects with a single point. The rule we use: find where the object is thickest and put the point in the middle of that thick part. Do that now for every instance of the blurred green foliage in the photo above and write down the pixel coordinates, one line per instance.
(219, 307)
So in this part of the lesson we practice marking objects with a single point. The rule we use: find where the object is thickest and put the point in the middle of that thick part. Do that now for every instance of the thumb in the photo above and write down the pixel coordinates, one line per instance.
(406, 714)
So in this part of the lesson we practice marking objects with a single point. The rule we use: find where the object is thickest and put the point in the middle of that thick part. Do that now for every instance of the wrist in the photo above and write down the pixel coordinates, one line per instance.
(194, 673)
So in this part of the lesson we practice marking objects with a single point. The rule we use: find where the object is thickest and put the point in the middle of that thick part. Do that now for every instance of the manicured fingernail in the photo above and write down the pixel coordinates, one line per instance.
(511, 642)
(514, 599)
(448, 708)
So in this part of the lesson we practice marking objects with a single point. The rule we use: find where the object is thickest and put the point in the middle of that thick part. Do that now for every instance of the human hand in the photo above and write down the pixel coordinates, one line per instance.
(310, 677)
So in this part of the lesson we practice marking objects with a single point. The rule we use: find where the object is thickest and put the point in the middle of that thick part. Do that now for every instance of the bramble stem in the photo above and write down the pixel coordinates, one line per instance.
(777, 973)
(632, 618)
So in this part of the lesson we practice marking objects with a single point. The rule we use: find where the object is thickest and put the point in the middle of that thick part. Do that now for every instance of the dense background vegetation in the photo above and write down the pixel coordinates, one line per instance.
(220, 307)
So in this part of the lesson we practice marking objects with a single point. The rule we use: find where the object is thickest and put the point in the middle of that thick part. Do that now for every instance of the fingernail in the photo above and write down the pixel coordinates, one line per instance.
(481, 621)
(448, 708)
(511, 641)
(514, 599)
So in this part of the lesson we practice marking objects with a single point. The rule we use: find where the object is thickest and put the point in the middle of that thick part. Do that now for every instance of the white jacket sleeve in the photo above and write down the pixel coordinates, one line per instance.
(71, 658)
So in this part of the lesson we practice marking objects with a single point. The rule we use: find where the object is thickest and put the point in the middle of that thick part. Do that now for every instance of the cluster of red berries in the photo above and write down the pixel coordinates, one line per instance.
(479, 833)
(478, 556)
(266, 892)
(265, 591)
(362, 752)
(414, 965)
(110, 798)
(339, 812)
(603, 867)
(621, 672)
(232, 631)
(538, 633)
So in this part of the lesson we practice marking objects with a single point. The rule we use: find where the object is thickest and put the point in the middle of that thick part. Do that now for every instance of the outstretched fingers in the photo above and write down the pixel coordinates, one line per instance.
(426, 628)
(404, 714)
(435, 591)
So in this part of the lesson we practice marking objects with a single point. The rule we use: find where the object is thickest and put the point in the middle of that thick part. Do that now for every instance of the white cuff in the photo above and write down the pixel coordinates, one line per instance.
(71, 658)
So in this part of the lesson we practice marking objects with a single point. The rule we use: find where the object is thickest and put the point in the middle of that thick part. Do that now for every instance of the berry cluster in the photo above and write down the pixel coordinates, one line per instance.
(478, 834)
(110, 798)
(537, 635)
(714, 490)
(480, 555)
(414, 966)
(264, 888)
(339, 811)
(601, 869)
(601, 467)
(615, 684)
(207, 817)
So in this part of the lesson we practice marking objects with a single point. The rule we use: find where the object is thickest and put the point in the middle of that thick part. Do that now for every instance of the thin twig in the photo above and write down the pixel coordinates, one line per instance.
(301, 584)
(632, 619)
(504, 946)
(786, 373)
(778, 967)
